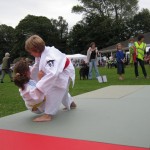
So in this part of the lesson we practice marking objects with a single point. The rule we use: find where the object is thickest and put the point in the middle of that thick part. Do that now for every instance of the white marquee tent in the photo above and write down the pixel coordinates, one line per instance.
(77, 56)
(76, 59)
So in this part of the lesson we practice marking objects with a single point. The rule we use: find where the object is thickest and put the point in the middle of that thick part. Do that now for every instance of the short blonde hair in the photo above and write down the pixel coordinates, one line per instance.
(35, 43)
(118, 44)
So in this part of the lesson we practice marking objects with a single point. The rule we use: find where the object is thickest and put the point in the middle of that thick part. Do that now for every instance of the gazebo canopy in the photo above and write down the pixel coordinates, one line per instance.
(77, 56)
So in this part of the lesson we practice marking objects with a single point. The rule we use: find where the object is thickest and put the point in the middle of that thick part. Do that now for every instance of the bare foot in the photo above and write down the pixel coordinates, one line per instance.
(43, 118)
(72, 106)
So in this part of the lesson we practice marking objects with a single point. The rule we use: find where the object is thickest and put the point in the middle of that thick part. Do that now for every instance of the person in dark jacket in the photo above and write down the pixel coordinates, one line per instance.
(6, 67)
(120, 57)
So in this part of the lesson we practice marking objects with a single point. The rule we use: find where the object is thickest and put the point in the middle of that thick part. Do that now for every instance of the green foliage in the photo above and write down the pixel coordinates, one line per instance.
(141, 22)
(6, 40)
(104, 31)
(54, 33)
(32, 25)
(105, 22)
(62, 31)
(78, 9)
(118, 9)
(77, 39)
(10, 101)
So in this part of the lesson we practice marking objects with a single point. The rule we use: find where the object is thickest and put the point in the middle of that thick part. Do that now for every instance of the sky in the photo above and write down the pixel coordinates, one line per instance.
(13, 11)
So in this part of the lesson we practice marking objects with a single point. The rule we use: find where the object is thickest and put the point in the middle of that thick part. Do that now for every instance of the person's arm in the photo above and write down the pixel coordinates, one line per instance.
(34, 95)
(48, 80)
(35, 69)
(97, 52)
(144, 48)
(117, 56)
(123, 57)
(88, 54)
(8, 63)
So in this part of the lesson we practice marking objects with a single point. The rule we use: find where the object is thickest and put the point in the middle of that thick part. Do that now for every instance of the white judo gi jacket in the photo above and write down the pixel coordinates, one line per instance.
(32, 96)
(56, 80)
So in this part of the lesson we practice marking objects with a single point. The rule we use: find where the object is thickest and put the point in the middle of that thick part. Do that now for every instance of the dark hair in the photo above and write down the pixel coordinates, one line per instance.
(131, 39)
(20, 74)
(92, 43)
(141, 36)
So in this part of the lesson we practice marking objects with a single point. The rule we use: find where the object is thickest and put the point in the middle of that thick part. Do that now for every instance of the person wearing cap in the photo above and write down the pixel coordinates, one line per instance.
(6, 68)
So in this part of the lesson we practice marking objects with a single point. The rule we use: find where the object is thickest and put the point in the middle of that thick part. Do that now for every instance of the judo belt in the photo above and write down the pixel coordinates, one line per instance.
(35, 107)
(67, 63)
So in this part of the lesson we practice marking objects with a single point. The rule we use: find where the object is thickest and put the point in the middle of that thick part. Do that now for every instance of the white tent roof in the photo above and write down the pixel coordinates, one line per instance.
(147, 49)
(77, 56)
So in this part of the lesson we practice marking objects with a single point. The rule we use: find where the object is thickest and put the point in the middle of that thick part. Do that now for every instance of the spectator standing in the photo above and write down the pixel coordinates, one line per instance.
(133, 55)
(6, 68)
(141, 50)
(132, 50)
(92, 54)
(120, 57)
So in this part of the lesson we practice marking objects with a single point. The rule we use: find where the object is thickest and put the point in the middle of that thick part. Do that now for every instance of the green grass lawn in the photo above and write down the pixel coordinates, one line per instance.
(11, 102)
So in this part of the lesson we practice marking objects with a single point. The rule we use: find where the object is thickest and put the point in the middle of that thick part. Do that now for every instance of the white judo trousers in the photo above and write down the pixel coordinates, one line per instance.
(55, 98)
(56, 81)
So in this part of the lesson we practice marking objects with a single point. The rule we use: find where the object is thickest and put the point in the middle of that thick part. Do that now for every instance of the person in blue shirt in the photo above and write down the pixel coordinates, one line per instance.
(120, 58)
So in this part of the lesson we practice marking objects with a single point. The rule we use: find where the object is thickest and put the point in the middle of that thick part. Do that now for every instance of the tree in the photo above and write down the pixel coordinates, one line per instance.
(6, 40)
(90, 7)
(118, 9)
(122, 9)
(30, 25)
(106, 21)
(77, 39)
(62, 31)
(101, 30)
(141, 22)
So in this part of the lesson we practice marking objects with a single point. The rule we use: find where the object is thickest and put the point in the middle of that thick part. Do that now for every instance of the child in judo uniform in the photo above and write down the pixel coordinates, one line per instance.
(34, 99)
(58, 72)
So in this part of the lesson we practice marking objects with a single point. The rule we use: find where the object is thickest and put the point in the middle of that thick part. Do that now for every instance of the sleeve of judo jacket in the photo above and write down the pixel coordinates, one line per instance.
(35, 69)
(34, 95)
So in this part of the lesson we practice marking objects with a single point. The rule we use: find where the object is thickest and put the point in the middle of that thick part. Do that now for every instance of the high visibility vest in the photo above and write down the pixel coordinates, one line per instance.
(140, 50)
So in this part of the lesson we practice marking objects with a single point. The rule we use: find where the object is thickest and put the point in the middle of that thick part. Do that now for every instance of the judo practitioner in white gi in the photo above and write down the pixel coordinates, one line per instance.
(34, 99)
(58, 72)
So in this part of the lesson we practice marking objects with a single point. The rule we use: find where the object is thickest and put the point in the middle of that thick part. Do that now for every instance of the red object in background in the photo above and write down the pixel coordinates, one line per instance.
(134, 54)
(11, 140)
